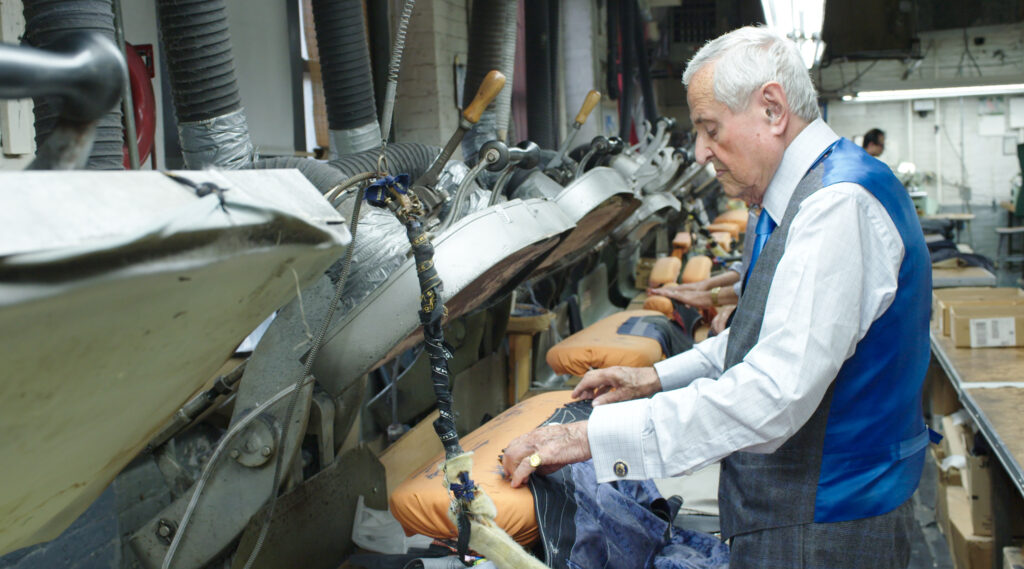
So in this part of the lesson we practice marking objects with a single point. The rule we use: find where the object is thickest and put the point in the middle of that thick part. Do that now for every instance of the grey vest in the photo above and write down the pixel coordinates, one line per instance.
(763, 491)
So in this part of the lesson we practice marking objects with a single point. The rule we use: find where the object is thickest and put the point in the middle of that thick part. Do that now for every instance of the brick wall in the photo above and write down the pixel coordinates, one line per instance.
(425, 105)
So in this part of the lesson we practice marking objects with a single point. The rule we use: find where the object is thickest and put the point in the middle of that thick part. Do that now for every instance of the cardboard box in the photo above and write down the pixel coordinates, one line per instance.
(943, 299)
(939, 395)
(942, 509)
(987, 326)
(968, 549)
(947, 306)
(977, 483)
(1012, 558)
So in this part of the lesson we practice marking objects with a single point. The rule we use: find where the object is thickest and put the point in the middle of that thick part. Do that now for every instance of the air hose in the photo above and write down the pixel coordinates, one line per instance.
(212, 126)
(472, 512)
(348, 84)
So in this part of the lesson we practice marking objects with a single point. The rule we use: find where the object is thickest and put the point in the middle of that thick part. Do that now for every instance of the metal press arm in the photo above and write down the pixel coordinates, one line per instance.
(489, 89)
(589, 102)
(86, 70)
(526, 157)
(599, 146)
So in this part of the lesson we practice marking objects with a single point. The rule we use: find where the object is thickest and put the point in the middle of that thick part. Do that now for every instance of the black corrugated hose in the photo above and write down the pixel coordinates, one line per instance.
(45, 20)
(643, 66)
(197, 45)
(541, 43)
(345, 60)
(491, 46)
(627, 23)
(612, 33)
(412, 158)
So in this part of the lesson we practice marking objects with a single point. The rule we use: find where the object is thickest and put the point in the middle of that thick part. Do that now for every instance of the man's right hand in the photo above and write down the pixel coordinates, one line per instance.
(617, 384)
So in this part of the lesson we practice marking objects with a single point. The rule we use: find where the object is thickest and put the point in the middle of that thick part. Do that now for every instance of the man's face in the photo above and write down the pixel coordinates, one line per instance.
(741, 146)
(876, 149)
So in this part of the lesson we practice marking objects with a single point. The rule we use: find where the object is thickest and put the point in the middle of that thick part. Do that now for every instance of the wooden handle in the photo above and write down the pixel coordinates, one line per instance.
(589, 102)
(489, 89)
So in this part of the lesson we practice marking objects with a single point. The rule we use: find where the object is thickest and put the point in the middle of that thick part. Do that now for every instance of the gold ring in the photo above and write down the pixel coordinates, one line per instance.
(535, 460)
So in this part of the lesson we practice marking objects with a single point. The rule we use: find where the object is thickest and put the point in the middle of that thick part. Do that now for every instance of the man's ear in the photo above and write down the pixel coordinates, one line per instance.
(776, 107)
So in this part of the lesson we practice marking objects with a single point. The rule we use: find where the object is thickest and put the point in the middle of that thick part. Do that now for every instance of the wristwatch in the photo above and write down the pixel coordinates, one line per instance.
(714, 295)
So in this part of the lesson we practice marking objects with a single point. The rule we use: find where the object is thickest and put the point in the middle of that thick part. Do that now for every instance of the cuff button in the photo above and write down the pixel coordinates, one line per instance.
(621, 469)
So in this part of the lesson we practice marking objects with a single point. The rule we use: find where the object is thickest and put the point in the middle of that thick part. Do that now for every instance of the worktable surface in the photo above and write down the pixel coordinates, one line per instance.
(990, 384)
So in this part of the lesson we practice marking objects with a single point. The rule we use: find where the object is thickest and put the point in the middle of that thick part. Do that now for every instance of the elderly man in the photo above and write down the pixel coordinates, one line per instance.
(811, 399)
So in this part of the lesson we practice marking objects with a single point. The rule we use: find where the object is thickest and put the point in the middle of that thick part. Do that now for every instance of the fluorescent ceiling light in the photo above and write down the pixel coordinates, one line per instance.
(800, 21)
(936, 93)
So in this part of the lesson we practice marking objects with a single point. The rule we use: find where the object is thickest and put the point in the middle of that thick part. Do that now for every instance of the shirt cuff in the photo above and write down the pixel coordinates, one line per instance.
(615, 434)
(681, 369)
(738, 286)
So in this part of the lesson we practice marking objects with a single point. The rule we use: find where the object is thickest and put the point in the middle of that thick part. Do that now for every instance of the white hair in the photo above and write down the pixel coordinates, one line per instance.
(747, 58)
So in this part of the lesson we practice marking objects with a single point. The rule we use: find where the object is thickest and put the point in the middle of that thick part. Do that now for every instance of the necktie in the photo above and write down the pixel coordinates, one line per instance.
(765, 226)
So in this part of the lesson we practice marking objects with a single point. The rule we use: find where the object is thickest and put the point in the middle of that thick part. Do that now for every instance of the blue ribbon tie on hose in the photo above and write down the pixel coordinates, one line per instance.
(466, 490)
(377, 192)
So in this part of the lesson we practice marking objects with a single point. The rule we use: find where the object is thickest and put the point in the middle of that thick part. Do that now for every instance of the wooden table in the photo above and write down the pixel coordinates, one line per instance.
(961, 276)
(990, 384)
(958, 219)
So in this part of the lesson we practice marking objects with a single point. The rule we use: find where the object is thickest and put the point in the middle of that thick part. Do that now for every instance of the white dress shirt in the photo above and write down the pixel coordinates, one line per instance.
(838, 275)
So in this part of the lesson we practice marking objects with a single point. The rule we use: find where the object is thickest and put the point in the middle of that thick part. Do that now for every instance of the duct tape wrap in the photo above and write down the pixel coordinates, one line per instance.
(381, 248)
(432, 313)
(353, 140)
(220, 142)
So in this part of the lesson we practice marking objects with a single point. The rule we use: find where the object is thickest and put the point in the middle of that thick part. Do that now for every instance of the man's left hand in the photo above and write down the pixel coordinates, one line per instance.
(694, 298)
(554, 445)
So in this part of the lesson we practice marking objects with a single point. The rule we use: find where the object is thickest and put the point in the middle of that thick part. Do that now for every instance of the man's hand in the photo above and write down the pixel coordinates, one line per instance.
(700, 285)
(721, 320)
(617, 384)
(555, 445)
(694, 298)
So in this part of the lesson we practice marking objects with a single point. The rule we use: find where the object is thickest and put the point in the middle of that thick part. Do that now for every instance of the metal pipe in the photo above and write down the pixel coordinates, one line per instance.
(127, 104)
(197, 406)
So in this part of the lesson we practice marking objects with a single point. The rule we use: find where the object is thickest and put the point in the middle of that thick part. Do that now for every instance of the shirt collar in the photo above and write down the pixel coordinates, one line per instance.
(796, 161)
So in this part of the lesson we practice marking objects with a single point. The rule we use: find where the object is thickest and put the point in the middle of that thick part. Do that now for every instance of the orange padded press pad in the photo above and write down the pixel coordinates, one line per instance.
(697, 269)
(660, 303)
(420, 503)
(599, 346)
(737, 216)
(683, 240)
(731, 228)
(723, 239)
(665, 271)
